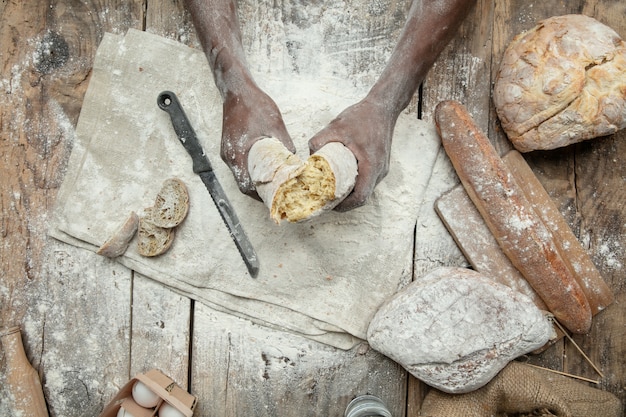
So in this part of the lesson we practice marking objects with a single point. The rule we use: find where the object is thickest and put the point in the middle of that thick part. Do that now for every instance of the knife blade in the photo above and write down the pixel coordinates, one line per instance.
(168, 102)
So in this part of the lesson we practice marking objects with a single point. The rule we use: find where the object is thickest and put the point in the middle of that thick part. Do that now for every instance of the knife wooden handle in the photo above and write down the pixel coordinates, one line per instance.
(521, 234)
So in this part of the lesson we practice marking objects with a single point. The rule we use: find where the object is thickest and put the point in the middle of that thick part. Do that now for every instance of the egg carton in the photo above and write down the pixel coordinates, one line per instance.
(162, 385)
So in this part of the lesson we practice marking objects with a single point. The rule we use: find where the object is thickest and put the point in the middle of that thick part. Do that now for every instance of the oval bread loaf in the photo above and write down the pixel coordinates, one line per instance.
(521, 234)
(296, 190)
(562, 82)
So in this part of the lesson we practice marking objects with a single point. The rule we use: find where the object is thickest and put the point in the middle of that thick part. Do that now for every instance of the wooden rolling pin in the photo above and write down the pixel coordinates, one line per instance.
(22, 379)
(520, 233)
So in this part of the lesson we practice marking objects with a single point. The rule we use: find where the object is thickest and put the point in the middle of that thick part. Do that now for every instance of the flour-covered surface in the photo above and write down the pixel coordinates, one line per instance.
(324, 278)
(89, 324)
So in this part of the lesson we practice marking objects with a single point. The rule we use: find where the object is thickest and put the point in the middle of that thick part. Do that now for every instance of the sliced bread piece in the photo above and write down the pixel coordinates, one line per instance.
(171, 204)
(118, 242)
(153, 240)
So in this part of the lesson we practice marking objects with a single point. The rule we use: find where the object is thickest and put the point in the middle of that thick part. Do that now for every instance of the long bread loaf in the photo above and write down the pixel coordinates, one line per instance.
(519, 231)
(598, 294)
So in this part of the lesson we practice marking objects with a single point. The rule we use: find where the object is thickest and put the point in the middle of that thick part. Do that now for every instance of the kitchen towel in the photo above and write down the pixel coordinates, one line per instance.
(323, 279)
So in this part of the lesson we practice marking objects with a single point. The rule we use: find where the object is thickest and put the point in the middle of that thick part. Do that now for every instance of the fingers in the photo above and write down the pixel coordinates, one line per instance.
(366, 181)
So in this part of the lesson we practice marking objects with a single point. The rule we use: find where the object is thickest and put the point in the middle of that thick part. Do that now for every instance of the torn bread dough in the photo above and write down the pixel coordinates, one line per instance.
(296, 190)
(562, 82)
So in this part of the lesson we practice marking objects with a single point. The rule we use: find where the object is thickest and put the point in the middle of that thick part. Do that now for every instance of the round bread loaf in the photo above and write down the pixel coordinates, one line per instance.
(562, 82)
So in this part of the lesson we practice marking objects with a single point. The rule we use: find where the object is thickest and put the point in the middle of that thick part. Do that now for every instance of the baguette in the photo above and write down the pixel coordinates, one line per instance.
(519, 231)
(598, 294)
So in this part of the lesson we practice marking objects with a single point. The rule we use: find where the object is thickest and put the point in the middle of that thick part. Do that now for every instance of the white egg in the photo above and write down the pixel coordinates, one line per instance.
(123, 413)
(144, 396)
(167, 410)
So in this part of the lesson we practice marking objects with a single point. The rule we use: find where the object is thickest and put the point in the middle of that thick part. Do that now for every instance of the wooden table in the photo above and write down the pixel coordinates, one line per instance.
(89, 324)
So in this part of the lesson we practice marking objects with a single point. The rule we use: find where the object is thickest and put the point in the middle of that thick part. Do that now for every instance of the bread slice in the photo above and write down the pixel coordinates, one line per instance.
(171, 204)
(117, 244)
(153, 240)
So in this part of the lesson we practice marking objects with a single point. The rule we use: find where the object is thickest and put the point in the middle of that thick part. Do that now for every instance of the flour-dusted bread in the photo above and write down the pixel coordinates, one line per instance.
(171, 204)
(562, 82)
(117, 244)
(520, 232)
(157, 225)
(270, 165)
(153, 240)
(296, 190)
(455, 328)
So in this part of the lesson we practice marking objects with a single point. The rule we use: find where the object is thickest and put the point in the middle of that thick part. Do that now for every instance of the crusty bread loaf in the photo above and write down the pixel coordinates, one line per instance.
(153, 240)
(295, 190)
(117, 244)
(562, 82)
(578, 261)
(519, 231)
(171, 204)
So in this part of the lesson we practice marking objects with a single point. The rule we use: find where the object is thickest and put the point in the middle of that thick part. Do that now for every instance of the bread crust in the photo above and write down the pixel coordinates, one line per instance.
(519, 231)
(117, 244)
(562, 82)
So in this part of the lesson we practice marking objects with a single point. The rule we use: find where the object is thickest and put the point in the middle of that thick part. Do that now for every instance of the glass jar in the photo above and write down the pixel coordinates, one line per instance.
(367, 406)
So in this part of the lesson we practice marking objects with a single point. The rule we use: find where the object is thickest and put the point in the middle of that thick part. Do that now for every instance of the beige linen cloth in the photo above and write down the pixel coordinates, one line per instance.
(323, 279)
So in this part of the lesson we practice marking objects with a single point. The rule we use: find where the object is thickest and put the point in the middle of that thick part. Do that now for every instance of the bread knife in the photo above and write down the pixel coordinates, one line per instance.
(168, 102)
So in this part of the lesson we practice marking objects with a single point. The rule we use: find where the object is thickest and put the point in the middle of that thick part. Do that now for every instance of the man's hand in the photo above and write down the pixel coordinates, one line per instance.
(366, 128)
(249, 114)
(246, 119)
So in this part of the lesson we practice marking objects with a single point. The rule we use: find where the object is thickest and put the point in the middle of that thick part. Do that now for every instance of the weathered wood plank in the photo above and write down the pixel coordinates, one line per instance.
(599, 178)
(161, 321)
(240, 368)
(65, 298)
(458, 74)
(86, 331)
(171, 19)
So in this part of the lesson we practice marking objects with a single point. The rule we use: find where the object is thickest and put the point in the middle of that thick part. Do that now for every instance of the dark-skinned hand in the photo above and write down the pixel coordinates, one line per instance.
(365, 128)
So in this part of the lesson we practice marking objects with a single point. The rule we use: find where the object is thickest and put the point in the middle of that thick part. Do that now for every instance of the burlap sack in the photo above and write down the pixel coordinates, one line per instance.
(520, 388)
